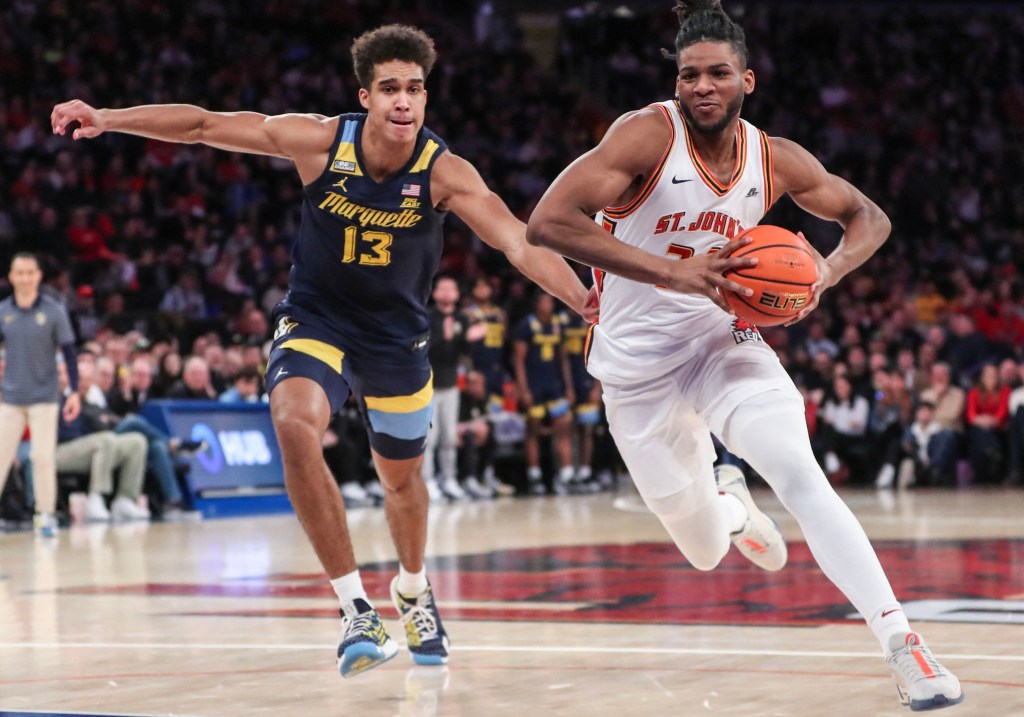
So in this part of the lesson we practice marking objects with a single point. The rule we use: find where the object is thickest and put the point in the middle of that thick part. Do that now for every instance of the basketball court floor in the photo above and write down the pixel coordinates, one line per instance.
(555, 606)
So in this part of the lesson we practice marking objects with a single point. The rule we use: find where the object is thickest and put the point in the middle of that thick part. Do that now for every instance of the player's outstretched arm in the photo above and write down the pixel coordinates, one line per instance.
(292, 136)
(457, 185)
(605, 176)
(827, 196)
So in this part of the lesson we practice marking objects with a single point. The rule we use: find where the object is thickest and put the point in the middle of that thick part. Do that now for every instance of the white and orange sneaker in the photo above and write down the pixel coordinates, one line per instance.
(922, 683)
(760, 540)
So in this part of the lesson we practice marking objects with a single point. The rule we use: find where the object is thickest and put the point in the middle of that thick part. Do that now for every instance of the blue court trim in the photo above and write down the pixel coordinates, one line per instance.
(406, 426)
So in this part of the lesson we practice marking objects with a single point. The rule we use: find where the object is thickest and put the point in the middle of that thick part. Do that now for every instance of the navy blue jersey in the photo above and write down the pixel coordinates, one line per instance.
(543, 368)
(575, 331)
(488, 354)
(367, 251)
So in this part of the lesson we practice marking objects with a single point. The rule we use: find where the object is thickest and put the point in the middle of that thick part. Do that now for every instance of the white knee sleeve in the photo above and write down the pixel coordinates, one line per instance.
(695, 520)
(771, 435)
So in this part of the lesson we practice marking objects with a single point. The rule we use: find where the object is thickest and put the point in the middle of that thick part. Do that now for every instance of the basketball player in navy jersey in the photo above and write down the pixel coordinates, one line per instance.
(673, 363)
(376, 189)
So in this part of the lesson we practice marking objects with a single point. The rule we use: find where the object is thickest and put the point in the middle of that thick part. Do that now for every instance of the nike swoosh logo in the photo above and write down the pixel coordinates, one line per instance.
(886, 613)
(280, 372)
(680, 181)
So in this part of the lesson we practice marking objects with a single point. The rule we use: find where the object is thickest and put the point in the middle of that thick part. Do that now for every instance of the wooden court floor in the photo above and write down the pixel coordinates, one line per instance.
(555, 606)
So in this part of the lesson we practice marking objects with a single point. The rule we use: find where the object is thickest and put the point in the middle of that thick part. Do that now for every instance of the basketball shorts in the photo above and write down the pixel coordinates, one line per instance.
(548, 401)
(585, 412)
(662, 426)
(394, 393)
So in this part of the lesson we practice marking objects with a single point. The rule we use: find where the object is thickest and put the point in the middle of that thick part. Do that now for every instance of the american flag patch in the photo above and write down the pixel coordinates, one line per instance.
(410, 190)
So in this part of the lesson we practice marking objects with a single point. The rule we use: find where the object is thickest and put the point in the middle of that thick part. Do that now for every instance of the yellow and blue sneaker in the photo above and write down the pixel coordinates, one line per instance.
(424, 634)
(364, 641)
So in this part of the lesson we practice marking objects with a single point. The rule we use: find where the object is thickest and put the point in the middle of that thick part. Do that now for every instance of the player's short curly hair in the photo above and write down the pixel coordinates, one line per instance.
(391, 42)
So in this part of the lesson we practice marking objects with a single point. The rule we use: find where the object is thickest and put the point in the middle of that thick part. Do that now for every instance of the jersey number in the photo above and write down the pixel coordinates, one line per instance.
(683, 252)
(380, 242)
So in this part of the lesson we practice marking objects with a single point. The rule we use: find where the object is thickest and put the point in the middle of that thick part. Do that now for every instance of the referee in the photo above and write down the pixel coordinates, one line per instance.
(32, 327)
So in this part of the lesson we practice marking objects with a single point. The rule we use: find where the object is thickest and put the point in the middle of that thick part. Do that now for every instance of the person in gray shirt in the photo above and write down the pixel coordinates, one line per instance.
(33, 327)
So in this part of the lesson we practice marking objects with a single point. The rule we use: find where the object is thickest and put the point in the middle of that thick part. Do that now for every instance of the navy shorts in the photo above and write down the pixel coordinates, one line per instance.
(394, 391)
(548, 400)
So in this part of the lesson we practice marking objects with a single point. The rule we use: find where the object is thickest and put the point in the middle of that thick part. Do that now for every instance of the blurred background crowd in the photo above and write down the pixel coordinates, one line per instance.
(170, 257)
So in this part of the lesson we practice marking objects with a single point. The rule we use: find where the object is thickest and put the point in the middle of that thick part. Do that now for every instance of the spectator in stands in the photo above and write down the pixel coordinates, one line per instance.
(916, 463)
(86, 446)
(185, 298)
(1009, 374)
(944, 447)
(988, 407)
(969, 349)
(168, 375)
(213, 354)
(195, 381)
(128, 396)
(103, 382)
(1015, 439)
(84, 316)
(450, 333)
(817, 341)
(891, 411)
(474, 439)
(160, 448)
(245, 387)
(845, 415)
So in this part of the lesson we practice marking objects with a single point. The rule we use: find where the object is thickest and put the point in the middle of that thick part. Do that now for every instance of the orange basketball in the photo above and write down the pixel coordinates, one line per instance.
(781, 280)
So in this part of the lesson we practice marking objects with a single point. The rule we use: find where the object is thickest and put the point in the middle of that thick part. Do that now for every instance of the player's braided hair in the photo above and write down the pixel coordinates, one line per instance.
(701, 20)
(404, 43)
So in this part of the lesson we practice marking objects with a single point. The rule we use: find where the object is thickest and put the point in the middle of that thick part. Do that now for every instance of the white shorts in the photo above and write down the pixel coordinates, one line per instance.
(663, 426)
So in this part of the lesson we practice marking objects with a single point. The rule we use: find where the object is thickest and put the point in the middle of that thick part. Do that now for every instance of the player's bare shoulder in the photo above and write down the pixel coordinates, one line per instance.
(638, 139)
(795, 169)
(306, 130)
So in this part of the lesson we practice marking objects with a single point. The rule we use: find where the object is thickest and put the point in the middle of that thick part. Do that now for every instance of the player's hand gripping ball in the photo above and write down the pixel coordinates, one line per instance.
(781, 280)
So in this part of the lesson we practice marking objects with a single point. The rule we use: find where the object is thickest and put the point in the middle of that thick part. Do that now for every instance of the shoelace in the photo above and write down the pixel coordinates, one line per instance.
(422, 619)
(359, 623)
(911, 668)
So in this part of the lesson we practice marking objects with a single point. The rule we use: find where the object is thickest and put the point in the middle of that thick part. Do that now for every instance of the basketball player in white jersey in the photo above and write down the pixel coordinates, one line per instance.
(670, 185)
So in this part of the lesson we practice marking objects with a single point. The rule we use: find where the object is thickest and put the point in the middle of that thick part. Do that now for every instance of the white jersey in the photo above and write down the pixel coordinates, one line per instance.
(683, 210)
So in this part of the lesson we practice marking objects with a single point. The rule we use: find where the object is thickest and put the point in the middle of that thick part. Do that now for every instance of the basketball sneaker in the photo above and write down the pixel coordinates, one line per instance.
(760, 540)
(46, 525)
(922, 683)
(364, 641)
(424, 634)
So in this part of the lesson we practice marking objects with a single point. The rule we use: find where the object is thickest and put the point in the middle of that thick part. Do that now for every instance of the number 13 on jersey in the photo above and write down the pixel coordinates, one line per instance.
(378, 245)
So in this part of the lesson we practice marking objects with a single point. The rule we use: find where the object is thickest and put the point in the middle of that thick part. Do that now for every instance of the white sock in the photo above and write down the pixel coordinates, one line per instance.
(735, 512)
(533, 473)
(888, 621)
(565, 474)
(411, 584)
(348, 588)
(584, 472)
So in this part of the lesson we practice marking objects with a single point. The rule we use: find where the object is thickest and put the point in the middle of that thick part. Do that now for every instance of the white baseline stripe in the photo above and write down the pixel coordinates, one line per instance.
(565, 649)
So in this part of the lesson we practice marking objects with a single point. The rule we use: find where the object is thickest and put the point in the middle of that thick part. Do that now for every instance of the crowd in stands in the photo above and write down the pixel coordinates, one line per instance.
(170, 257)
